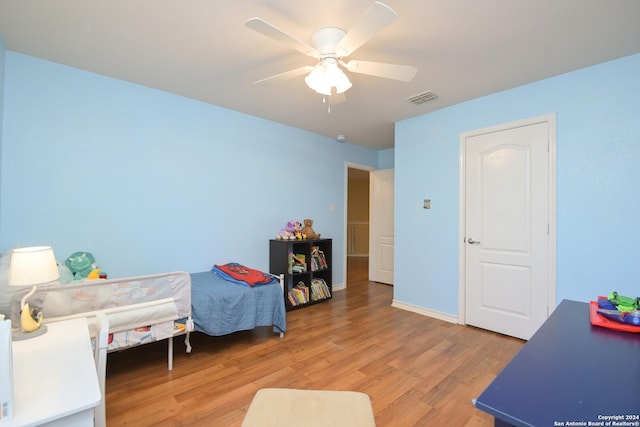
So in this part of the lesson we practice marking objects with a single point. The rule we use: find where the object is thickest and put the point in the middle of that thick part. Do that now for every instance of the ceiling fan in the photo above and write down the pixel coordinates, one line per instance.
(329, 46)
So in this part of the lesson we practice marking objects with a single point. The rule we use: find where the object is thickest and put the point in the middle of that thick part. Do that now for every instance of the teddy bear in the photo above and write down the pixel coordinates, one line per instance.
(307, 230)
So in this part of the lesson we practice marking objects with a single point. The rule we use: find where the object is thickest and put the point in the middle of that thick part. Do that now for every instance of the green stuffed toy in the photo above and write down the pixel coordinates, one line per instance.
(81, 264)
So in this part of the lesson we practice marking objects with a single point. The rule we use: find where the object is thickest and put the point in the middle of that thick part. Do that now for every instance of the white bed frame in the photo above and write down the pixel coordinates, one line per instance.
(160, 301)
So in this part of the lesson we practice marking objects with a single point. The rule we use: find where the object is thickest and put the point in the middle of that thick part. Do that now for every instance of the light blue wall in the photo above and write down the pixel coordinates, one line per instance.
(151, 182)
(386, 159)
(598, 184)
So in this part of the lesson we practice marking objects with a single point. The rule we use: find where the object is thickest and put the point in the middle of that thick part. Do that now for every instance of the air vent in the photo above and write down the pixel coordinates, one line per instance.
(423, 97)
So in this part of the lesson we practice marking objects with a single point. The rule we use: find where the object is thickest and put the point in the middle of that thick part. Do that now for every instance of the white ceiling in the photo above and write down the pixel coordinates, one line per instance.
(201, 49)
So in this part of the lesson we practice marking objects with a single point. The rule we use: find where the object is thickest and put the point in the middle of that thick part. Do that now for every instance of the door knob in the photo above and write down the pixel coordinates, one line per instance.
(472, 242)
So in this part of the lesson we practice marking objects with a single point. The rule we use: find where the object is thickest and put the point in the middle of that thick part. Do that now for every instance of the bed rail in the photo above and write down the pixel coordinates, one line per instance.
(160, 302)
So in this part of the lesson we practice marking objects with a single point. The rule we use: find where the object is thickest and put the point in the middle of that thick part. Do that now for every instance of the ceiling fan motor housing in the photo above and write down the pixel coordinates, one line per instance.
(325, 41)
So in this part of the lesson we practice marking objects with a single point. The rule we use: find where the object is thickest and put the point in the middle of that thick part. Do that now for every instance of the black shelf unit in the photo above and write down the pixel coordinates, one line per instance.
(282, 254)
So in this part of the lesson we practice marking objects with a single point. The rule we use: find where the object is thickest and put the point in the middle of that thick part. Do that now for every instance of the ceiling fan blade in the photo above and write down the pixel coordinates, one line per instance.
(288, 74)
(275, 33)
(403, 73)
(377, 17)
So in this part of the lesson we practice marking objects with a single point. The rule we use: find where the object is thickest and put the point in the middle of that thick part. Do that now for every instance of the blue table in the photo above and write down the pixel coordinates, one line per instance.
(570, 373)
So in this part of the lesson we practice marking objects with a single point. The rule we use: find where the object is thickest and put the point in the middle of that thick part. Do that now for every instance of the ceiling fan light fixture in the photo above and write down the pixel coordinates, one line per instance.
(326, 75)
(341, 81)
(316, 80)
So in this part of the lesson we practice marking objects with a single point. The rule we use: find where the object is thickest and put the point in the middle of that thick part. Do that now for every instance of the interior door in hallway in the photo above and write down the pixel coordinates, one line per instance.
(381, 231)
(507, 228)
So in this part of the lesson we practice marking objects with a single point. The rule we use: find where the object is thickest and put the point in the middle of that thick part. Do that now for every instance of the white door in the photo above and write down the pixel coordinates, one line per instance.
(507, 234)
(381, 233)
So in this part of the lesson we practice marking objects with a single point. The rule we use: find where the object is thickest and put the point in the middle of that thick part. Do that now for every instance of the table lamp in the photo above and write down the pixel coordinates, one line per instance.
(31, 267)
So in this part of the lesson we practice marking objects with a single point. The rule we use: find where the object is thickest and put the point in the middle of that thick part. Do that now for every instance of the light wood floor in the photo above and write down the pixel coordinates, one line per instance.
(417, 370)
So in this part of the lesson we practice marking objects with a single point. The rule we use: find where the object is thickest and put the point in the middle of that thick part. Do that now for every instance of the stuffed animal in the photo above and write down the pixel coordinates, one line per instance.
(283, 235)
(94, 275)
(81, 264)
(307, 230)
(286, 232)
(290, 230)
(297, 230)
(292, 226)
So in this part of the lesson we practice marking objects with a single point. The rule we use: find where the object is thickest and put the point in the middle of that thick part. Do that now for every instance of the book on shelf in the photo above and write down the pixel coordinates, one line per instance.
(318, 259)
(294, 298)
(319, 290)
(323, 259)
(298, 294)
(297, 262)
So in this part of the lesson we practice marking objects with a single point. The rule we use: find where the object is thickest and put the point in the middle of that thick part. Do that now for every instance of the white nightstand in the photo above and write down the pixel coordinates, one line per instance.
(54, 377)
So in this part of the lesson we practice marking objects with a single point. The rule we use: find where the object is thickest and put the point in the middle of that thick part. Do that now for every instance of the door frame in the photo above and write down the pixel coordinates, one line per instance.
(348, 165)
(550, 119)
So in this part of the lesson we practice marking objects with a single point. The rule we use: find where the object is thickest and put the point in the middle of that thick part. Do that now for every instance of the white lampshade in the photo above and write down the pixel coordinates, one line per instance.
(327, 74)
(33, 266)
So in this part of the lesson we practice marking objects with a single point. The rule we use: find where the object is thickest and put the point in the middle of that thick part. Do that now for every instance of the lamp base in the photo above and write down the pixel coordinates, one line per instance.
(21, 335)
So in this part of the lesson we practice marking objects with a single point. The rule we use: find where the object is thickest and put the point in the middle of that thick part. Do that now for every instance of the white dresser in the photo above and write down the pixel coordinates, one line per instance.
(55, 382)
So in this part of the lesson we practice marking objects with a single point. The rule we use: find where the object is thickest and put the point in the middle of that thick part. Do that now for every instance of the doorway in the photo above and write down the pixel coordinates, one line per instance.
(357, 217)
(507, 226)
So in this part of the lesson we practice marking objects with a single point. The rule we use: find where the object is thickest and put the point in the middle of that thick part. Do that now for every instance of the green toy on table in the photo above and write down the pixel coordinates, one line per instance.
(623, 303)
(619, 308)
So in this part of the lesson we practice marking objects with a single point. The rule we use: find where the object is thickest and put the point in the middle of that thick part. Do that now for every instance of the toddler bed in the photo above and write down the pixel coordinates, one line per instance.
(146, 309)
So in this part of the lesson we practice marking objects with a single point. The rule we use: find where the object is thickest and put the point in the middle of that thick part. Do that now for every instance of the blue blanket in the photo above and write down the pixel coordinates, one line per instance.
(220, 307)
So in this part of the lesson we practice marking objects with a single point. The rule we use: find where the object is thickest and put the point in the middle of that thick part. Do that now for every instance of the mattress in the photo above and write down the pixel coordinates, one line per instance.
(220, 307)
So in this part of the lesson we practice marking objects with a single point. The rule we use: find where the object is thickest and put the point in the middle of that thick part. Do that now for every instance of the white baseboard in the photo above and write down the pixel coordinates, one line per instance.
(424, 311)
(339, 287)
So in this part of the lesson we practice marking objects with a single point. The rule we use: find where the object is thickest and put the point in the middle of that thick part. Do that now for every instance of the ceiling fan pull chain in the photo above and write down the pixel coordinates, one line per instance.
(324, 101)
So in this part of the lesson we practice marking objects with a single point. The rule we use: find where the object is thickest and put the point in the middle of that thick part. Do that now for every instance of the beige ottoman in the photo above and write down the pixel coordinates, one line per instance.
(282, 407)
